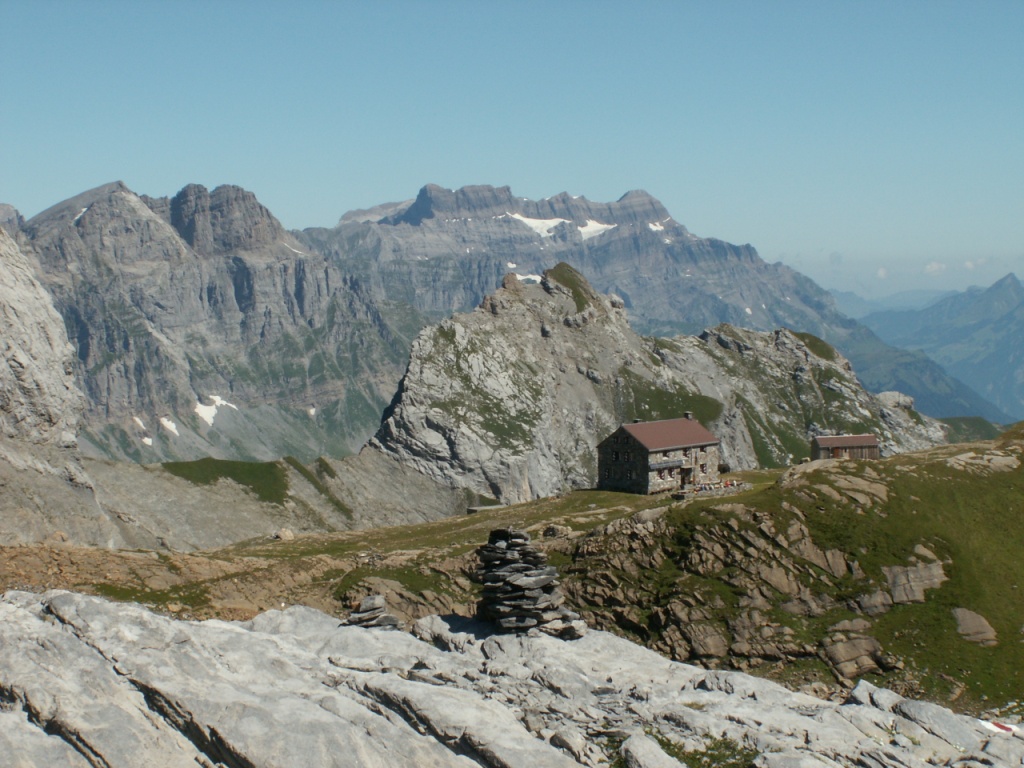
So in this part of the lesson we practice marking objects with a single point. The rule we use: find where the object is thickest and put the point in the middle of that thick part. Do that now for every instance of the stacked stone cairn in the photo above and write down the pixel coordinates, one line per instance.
(521, 591)
(372, 612)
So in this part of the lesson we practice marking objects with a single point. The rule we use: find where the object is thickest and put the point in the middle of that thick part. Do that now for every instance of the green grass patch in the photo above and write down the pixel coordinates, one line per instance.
(718, 753)
(192, 596)
(969, 429)
(820, 347)
(574, 281)
(267, 480)
(645, 400)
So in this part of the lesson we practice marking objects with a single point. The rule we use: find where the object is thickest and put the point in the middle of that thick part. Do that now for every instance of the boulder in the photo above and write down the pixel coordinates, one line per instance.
(973, 627)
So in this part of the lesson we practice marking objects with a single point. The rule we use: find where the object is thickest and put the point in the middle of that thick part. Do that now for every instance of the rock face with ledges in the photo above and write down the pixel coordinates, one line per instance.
(44, 489)
(38, 396)
(88, 682)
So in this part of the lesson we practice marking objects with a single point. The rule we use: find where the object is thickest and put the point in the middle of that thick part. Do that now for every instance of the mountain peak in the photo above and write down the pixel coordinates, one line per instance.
(1008, 282)
(229, 218)
(73, 206)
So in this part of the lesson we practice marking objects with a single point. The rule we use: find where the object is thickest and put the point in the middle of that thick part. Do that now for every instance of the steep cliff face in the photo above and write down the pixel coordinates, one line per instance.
(201, 328)
(511, 400)
(39, 402)
(43, 486)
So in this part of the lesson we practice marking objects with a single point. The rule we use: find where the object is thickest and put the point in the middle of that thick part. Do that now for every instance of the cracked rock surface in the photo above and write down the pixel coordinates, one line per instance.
(87, 682)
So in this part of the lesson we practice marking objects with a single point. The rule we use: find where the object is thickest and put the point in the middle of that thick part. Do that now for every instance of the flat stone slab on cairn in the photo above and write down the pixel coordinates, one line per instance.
(372, 612)
(521, 591)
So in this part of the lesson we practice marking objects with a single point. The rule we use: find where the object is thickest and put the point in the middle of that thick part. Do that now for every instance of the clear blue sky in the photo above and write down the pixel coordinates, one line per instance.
(847, 139)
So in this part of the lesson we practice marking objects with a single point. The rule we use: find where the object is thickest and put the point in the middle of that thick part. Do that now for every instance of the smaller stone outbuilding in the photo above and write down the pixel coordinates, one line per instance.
(658, 456)
(845, 447)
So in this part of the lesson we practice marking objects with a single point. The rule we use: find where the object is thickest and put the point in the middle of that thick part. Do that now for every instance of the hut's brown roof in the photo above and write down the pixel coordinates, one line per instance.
(846, 441)
(670, 433)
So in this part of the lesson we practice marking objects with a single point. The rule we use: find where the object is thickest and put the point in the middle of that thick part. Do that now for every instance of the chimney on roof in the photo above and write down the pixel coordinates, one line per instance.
(688, 415)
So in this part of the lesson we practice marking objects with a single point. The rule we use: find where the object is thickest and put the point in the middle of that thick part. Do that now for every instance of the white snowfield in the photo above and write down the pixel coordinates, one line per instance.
(209, 412)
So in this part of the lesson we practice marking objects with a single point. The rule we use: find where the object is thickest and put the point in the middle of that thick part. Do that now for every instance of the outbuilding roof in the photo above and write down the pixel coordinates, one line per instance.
(846, 441)
(670, 434)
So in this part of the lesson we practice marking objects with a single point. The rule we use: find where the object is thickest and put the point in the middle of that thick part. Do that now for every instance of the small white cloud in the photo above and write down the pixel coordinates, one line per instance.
(935, 268)
(882, 273)
(969, 265)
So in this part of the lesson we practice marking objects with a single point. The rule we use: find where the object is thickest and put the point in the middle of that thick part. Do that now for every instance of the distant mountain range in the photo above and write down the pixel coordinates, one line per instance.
(857, 306)
(202, 327)
(977, 336)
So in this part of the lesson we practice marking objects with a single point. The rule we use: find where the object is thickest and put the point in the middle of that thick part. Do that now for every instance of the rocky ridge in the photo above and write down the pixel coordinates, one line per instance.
(511, 400)
(87, 682)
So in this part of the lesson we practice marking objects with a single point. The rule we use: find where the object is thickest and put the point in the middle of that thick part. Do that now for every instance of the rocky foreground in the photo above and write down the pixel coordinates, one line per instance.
(85, 682)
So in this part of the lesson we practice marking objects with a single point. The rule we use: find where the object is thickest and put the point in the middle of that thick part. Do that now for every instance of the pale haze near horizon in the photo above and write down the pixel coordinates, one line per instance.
(876, 147)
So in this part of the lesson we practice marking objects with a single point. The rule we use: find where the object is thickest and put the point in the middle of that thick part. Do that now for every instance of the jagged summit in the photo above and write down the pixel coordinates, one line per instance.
(229, 218)
(11, 220)
(449, 248)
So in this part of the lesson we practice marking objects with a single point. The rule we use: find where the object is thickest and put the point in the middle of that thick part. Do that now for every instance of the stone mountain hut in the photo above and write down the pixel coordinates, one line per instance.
(656, 456)
(844, 447)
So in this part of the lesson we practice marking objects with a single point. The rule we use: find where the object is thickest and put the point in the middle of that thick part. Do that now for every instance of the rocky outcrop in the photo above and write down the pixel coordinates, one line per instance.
(772, 565)
(87, 682)
(511, 400)
(10, 219)
(372, 612)
(974, 627)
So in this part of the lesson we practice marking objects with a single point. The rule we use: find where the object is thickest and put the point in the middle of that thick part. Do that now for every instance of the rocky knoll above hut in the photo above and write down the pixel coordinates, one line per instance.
(511, 400)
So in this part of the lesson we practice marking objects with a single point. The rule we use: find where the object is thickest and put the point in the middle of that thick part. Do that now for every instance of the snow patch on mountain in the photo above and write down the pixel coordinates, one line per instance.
(594, 228)
(542, 227)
